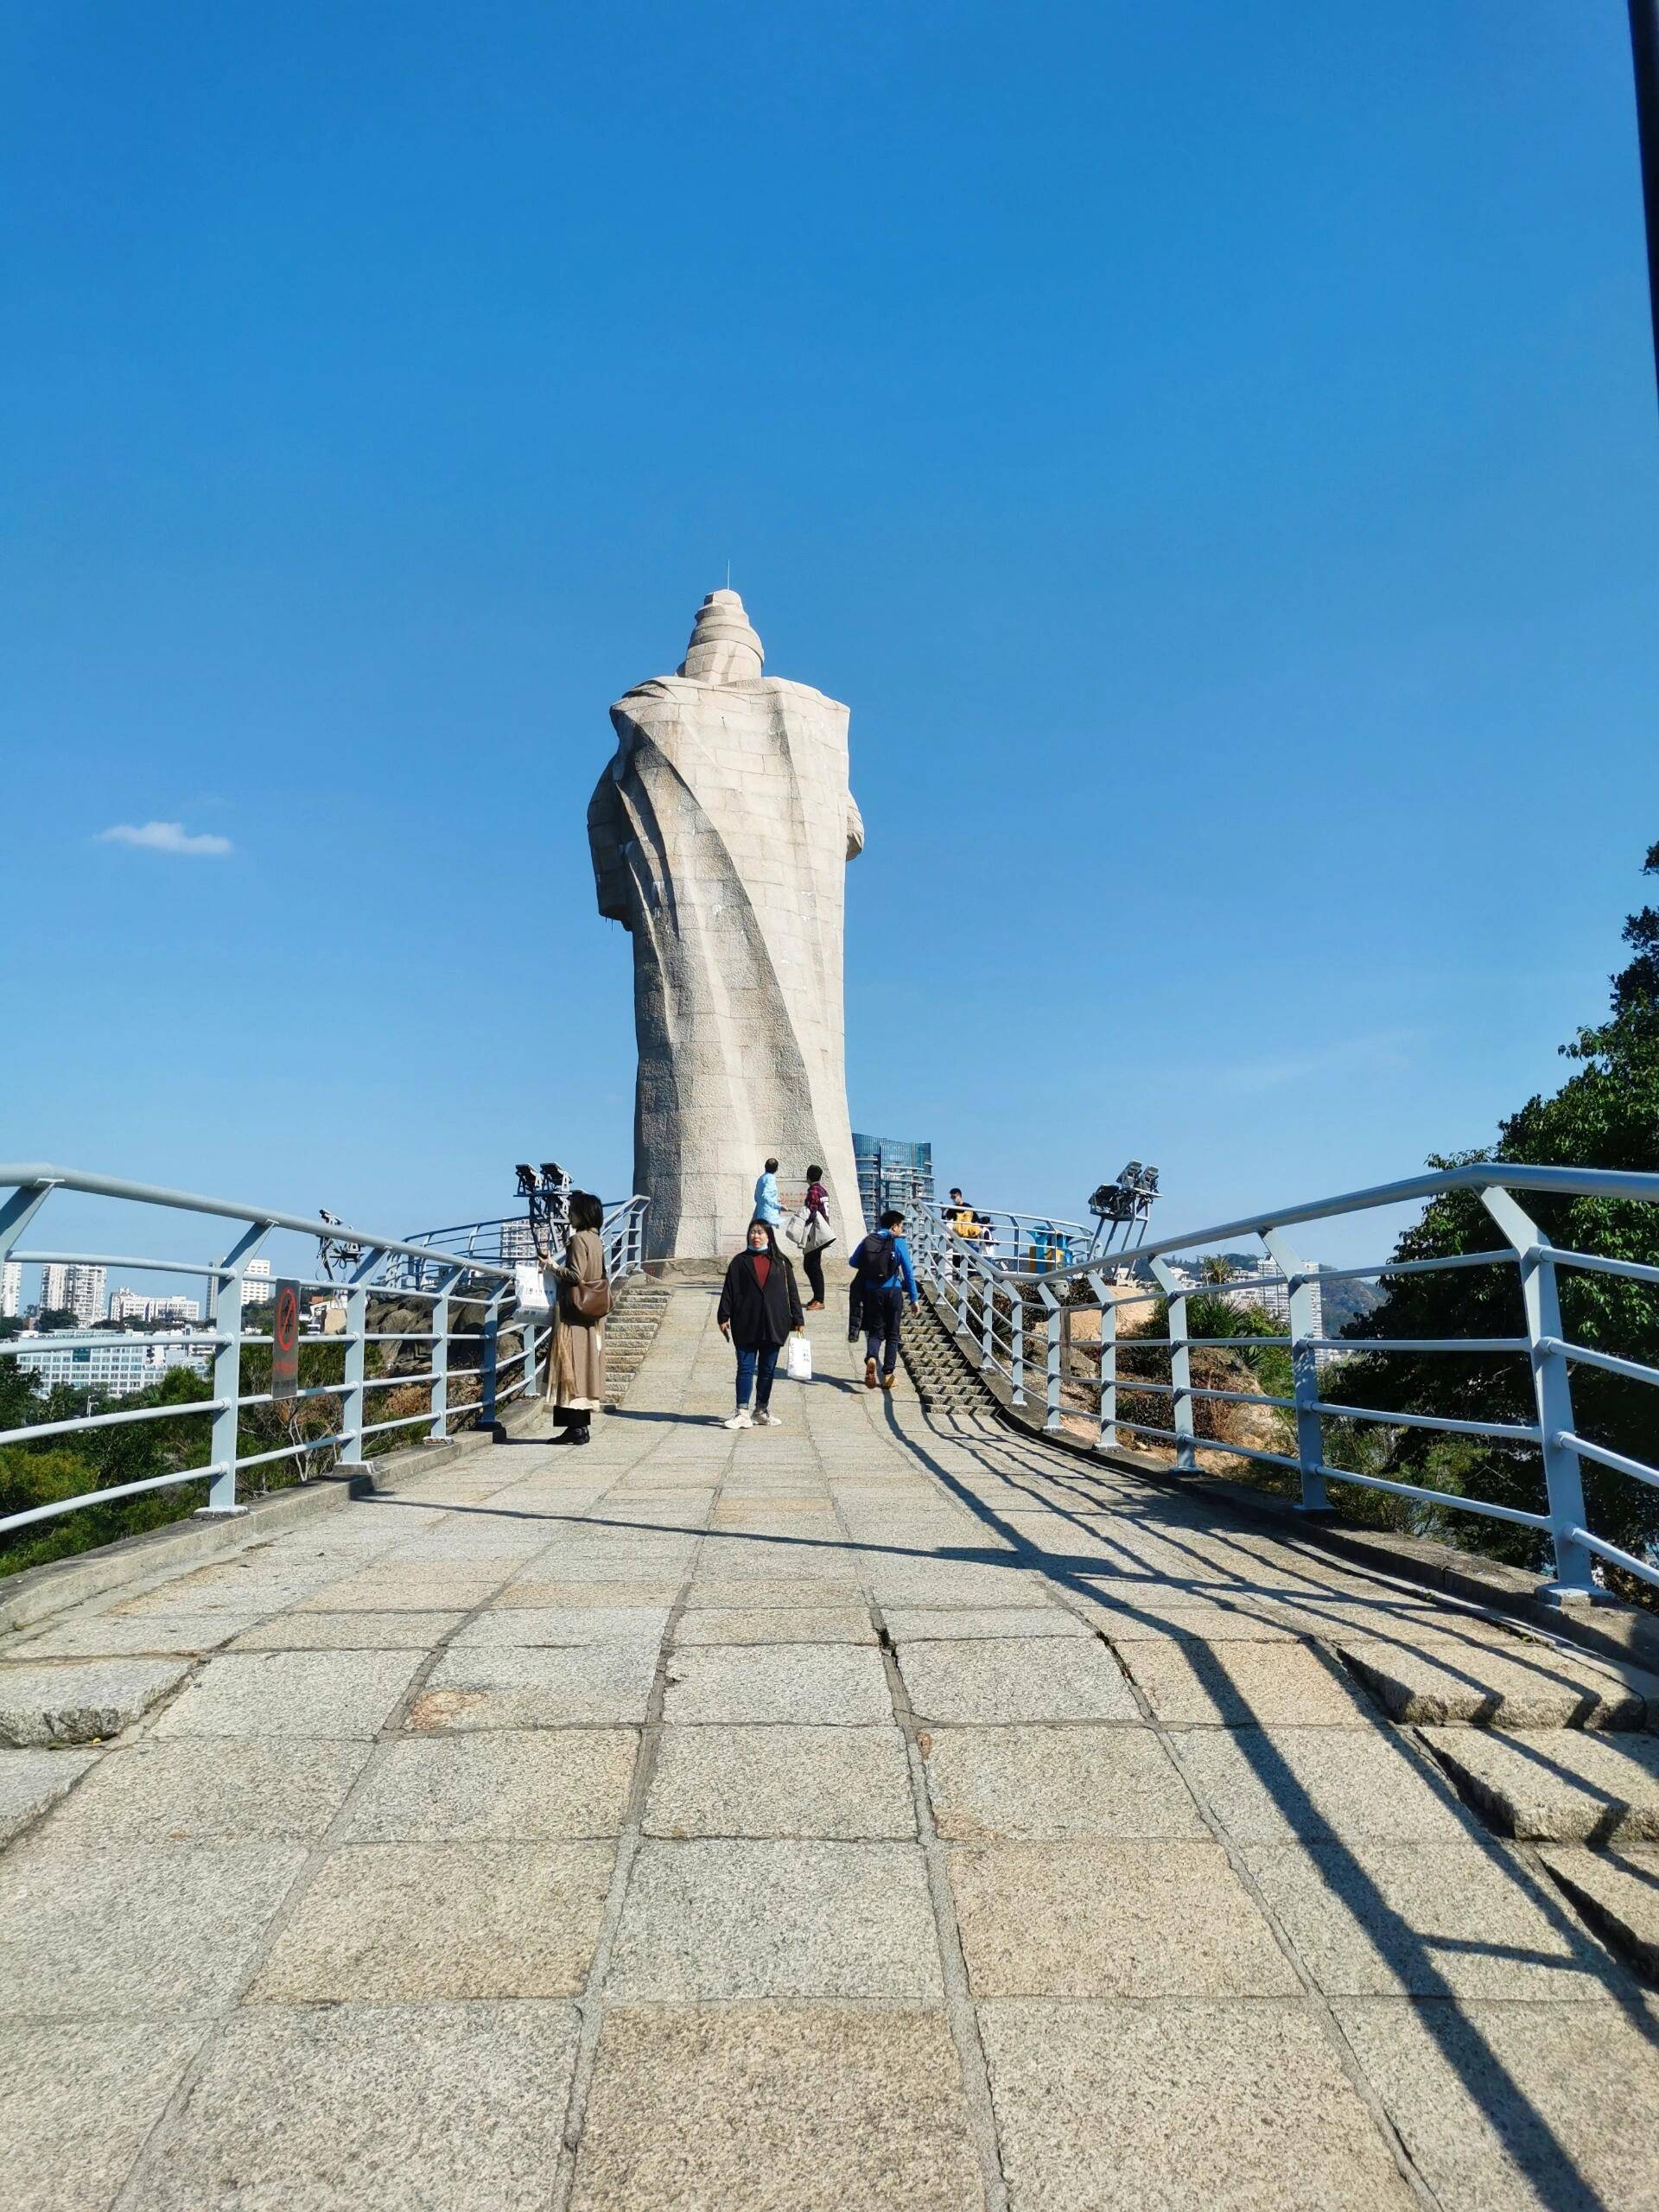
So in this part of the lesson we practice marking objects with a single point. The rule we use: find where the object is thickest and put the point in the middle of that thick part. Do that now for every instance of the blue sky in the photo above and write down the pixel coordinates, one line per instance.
(1212, 448)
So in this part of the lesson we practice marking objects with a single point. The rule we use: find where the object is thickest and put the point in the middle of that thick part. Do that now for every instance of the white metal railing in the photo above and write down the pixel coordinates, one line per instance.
(466, 1297)
(988, 1300)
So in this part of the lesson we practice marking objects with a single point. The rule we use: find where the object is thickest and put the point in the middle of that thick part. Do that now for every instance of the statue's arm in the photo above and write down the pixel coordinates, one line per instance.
(606, 834)
(855, 828)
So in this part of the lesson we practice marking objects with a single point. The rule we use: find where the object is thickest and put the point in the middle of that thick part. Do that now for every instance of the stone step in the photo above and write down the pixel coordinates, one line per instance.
(1617, 1892)
(1570, 1785)
(65, 1701)
(1439, 1679)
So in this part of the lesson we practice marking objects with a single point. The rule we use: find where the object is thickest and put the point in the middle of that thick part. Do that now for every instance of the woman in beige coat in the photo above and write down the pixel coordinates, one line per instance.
(576, 1374)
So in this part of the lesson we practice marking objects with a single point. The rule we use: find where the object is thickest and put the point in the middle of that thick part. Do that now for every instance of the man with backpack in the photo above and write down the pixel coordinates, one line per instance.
(882, 1279)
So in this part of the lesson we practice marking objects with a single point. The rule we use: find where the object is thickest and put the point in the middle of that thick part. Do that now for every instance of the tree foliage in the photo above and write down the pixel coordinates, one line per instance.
(1606, 1116)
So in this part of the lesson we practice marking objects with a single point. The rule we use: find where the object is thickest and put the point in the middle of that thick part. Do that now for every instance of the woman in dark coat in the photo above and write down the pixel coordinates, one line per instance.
(759, 1307)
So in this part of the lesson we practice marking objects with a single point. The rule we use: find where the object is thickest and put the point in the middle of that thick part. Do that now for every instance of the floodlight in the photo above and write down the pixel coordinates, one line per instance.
(526, 1175)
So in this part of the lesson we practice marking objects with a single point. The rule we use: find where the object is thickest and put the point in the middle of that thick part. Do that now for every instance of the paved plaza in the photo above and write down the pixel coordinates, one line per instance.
(879, 1810)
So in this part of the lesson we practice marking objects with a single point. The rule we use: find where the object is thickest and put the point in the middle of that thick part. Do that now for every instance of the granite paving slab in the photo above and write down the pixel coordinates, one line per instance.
(79, 1700)
(794, 1682)
(553, 1625)
(537, 1785)
(811, 1592)
(1518, 2107)
(1112, 1919)
(411, 1922)
(242, 1790)
(115, 1636)
(1024, 1783)
(291, 1693)
(385, 1589)
(77, 2100)
(31, 1781)
(776, 1624)
(1244, 1685)
(350, 1631)
(1465, 1920)
(1269, 1785)
(974, 1624)
(512, 1686)
(1561, 1786)
(144, 1931)
(535, 1593)
(774, 1919)
(1015, 1679)
(778, 1781)
(404, 2109)
(812, 2107)
(1204, 2107)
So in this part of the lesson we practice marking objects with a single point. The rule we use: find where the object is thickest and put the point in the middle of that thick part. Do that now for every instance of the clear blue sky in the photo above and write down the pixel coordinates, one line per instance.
(1213, 448)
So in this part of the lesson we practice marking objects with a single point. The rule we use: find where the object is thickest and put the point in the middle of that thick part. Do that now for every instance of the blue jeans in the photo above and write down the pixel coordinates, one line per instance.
(882, 1309)
(756, 1365)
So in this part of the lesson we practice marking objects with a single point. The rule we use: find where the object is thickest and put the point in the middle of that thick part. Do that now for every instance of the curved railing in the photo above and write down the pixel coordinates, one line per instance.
(464, 1297)
(990, 1301)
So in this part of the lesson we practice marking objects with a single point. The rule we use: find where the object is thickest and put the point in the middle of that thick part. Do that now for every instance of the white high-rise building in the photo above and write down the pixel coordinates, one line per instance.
(256, 1283)
(11, 1290)
(76, 1286)
(133, 1305)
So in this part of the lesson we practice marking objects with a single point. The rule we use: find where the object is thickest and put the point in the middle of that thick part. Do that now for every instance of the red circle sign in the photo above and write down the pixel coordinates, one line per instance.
(285, 1327)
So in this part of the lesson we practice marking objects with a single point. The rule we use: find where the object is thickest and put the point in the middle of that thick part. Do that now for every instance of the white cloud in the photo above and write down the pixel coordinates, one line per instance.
(165, 837)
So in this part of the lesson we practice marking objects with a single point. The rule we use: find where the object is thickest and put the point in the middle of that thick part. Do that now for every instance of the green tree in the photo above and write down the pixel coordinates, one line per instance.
(1606, 1115)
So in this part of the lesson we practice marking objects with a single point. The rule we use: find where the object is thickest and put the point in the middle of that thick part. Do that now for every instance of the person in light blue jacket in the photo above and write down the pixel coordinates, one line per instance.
(767, 1207)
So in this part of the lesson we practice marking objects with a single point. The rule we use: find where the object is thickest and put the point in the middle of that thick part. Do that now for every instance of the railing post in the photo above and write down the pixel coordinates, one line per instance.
(439, 1428)
(987, 1317)
(1552, 1390)
(961, 1261)
(1054, 1314)
(1304, 1369)
(1017, 1341)
(487, 1352)
(225, 1319)
(1107, 1440)
(1181, 1366)
(353, 1396)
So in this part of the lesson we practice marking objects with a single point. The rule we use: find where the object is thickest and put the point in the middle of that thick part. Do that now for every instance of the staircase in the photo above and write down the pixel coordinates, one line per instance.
(938, 1366)
(637, 1310)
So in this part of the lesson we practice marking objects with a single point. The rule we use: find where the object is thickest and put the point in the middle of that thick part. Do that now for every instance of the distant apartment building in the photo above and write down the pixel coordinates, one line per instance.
(1273, 1297)
(133, 1305)
(256, 1283)
(114, 1367)
(72, 1286)
(11, 1290)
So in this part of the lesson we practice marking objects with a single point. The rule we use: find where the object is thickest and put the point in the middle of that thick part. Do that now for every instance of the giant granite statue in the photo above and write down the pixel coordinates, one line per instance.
(720, 833)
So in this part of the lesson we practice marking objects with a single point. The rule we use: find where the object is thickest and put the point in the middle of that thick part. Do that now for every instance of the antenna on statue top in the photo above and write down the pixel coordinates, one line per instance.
(728, 574)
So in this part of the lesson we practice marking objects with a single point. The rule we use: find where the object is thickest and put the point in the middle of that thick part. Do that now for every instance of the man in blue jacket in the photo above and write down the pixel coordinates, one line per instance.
(883, 1279)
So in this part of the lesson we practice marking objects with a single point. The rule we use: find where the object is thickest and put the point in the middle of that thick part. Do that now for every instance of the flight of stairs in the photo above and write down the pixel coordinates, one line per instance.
(938, 1366)
(637, 1310)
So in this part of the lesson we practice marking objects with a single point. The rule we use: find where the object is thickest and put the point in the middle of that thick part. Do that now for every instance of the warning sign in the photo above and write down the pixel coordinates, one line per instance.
(285, 1341)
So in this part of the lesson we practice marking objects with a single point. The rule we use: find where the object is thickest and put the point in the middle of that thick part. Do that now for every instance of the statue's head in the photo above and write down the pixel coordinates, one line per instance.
(724, 648)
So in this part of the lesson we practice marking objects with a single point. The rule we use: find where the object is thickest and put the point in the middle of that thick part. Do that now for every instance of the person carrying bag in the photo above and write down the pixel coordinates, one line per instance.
(760, 1308)
(576, 1374)
(814, 1235)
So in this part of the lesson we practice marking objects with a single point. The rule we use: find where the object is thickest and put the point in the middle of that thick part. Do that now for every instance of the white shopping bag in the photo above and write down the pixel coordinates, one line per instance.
(531, 1287)
(799, 1358)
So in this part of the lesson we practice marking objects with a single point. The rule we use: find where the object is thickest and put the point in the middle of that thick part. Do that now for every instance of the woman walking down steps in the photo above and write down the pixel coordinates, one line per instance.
(760, 1307)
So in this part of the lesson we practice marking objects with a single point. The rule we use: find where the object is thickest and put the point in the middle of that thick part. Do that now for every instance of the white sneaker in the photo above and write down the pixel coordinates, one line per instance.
(740, 1420)
(766, 1419)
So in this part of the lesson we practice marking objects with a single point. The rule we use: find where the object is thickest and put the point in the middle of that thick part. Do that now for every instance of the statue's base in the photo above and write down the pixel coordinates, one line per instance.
(687, 1270)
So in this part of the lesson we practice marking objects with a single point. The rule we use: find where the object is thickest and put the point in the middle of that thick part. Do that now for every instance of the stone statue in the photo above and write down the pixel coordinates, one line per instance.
(720, 833)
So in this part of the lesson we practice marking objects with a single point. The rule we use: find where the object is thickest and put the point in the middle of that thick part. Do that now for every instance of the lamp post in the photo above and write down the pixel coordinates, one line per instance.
(1645, 48)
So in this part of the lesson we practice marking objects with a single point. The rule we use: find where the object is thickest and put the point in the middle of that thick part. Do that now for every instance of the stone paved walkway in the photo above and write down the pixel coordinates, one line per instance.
(860, 1813)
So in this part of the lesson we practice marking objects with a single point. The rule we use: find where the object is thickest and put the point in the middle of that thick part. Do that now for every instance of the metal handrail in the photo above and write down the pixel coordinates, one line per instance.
(964, 1283)
(389, 1267)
